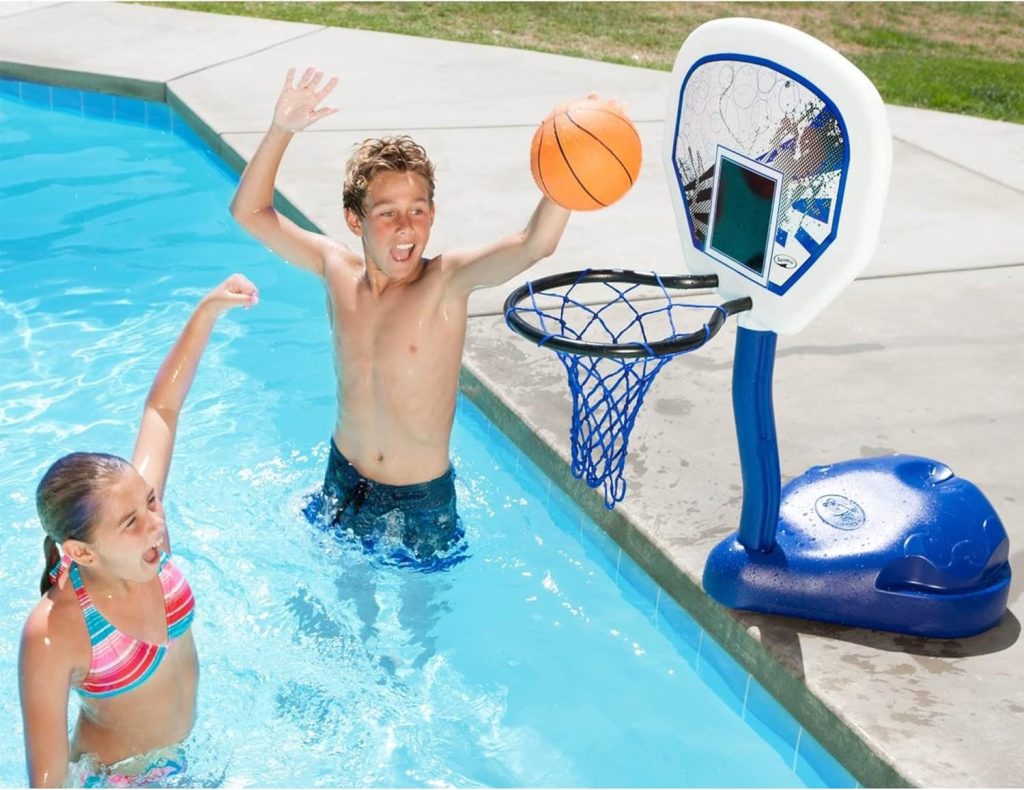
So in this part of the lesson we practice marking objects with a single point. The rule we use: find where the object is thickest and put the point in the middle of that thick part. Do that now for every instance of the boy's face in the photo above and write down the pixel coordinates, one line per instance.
(396, 222)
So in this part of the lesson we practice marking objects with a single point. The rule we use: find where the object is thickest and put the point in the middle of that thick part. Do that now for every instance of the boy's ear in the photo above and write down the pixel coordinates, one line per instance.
(79, 552)
(354, 222)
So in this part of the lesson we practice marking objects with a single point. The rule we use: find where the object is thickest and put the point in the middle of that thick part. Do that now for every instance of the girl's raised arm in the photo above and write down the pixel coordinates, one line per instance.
(155, 442)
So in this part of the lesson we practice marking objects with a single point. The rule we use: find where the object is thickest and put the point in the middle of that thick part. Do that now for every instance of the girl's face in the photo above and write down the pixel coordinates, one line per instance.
(129, 533)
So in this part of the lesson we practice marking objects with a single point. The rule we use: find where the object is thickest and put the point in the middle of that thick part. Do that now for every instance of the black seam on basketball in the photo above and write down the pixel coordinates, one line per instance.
(540, 145)
(602, 142)
(626, 121)
(554, 126)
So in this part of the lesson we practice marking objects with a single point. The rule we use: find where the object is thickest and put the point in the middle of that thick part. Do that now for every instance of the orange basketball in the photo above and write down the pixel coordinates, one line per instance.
(585, 155)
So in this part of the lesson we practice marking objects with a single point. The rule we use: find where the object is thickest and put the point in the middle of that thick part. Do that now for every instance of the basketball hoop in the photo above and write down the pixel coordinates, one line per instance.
(612, 349)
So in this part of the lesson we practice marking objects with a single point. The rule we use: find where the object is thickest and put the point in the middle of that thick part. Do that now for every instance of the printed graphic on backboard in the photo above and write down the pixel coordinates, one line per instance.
(761, 158)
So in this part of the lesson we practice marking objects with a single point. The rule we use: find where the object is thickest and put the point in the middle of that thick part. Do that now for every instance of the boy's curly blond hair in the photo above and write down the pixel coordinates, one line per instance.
(375, 155)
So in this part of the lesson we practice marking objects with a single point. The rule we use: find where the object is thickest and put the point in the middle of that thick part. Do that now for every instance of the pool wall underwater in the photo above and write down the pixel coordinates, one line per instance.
(629, 543)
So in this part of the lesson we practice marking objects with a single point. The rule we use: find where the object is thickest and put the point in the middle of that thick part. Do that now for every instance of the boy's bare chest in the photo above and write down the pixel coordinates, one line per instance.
(414, 323)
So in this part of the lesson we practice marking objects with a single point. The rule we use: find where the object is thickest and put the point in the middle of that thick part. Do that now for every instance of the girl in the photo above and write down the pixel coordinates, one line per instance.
(114, 618)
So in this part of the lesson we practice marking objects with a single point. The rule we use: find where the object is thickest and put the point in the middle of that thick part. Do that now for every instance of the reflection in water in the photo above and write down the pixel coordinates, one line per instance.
(396, 610)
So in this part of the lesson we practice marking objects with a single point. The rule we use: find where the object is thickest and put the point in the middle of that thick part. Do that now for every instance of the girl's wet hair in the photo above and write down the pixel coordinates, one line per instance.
(68, 499)
(399, 154)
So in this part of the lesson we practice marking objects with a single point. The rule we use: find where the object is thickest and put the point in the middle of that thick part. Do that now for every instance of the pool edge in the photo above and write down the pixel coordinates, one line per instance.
(150, 91)
(84, 80)
(846, 746)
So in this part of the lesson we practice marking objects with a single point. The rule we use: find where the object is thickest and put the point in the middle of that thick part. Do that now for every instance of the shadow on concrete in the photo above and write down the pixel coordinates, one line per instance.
(781, 635)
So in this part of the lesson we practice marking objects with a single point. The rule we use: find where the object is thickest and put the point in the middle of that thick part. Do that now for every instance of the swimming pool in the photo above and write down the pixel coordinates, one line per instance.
(536, 662)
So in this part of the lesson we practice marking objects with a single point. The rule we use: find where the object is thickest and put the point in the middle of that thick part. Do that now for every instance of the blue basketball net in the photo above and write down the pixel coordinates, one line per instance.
(606, 397)
(611, 349)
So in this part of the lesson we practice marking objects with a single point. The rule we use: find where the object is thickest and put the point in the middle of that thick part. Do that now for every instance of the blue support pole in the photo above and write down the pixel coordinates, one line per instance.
(755, 429)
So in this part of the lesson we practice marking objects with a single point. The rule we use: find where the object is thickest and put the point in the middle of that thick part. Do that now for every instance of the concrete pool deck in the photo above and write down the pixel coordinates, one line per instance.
(921, 355)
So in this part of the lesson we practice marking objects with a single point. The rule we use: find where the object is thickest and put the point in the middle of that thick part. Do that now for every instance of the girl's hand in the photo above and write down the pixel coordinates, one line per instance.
(236, 291)
(297, 106)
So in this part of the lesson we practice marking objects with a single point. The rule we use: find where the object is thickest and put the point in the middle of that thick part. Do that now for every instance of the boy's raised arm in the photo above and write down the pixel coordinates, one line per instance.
(253, 204)
(499, 262)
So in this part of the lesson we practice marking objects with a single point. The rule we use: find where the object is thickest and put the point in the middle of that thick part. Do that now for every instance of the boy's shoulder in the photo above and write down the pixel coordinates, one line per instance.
(435, 273)
(341, 264)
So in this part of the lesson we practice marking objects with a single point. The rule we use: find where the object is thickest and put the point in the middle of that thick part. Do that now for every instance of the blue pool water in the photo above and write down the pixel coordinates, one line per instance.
(546, 659)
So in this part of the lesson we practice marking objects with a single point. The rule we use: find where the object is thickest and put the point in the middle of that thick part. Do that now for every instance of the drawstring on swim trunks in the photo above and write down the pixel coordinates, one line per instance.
(356, 498)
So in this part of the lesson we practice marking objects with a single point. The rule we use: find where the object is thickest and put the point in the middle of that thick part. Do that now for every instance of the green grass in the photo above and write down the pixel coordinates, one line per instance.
(957, 57)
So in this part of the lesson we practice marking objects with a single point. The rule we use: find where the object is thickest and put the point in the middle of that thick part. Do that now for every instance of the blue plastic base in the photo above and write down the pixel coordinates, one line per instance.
(897, 543)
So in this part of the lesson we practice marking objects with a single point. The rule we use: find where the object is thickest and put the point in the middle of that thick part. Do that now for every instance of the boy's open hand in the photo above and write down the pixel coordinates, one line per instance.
(297, 105)
(614, 103)
(236, 291)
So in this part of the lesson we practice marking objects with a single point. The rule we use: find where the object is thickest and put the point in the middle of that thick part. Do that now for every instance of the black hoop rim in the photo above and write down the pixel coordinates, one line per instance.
(660, 348)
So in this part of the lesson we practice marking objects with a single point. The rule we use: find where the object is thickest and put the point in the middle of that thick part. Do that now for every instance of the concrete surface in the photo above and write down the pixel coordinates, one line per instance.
(877, 373)
(958, 140)
(921, 355)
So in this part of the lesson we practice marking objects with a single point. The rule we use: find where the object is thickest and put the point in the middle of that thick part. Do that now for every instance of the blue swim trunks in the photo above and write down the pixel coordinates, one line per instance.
(413, 525)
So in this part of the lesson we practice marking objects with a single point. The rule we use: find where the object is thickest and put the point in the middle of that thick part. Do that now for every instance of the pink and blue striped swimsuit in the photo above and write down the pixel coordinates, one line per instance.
(120, 662)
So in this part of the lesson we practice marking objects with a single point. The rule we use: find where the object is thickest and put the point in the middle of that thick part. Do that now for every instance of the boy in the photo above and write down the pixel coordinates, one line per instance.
(398, 323)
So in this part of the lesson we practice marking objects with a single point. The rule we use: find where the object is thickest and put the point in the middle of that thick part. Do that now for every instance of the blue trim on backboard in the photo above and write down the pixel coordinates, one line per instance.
(824, 244)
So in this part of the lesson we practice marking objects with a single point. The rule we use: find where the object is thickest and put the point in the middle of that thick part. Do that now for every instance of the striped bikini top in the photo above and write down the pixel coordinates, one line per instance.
(120, 662)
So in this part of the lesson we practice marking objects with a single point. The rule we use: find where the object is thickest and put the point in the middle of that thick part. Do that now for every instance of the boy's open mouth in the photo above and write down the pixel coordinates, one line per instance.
(151, 555)
(401, 252)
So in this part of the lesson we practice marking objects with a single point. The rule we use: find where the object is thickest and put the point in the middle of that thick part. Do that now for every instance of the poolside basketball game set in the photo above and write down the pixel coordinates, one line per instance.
(779, 156)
